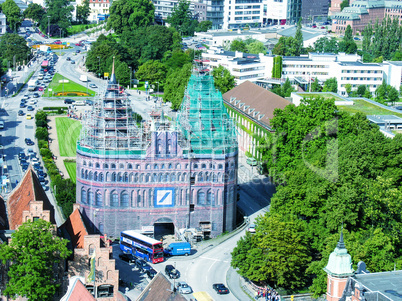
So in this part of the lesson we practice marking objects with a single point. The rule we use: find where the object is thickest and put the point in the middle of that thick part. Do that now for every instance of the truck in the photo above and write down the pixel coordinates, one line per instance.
(44, 48)
(83, 78)
(178, 248)
(32, 84)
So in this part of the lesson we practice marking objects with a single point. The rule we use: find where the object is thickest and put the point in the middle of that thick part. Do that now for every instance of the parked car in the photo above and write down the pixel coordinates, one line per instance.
(251, 161)
(142, 265)
(251, 228)
(72, 62)
(68, 101)
(172, 272)
(21, 155)
(35, 95)
(89, 102)
(93, 86)
(29, 141)
(129, 258)
(151, 273)
(77, 51)
(220, 288)
(29, 116)
(41, 88)
(20, 113)
(26, 96)
(30, 108)
(22, 105)
(68, 59)
(184, 288)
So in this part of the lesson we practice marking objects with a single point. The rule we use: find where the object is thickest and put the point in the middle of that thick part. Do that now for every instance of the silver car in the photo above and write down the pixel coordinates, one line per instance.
(184, 288)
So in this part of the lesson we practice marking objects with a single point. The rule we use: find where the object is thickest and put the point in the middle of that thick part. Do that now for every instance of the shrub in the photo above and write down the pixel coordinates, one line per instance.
(41, 123)
(45, 153)
(43, 144)
(42, 134)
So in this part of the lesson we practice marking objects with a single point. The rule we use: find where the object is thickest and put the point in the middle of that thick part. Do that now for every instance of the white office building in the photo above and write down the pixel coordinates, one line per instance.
(3, 24)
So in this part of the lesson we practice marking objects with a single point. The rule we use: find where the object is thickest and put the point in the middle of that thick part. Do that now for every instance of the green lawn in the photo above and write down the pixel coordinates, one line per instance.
(321, 94)
(66, 87)
(73, 29)
(367, 108)
(72, 170)
(68, 131)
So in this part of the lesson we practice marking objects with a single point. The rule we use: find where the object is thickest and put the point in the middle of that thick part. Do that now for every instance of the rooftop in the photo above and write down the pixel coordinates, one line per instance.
(388, 284)
(308, 33)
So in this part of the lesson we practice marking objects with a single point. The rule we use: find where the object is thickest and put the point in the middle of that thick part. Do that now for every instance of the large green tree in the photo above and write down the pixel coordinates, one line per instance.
(35, 12)
(34, 254)
(129, 15)
(182, 19)
(299, 39)
(238, 45)
(176, 83)
(203, 26)
(152, 71)
(82, 12)
(13, 14)
(59, 12)
(223, 80)
(330, 85)
(13, 46)
(256, 47)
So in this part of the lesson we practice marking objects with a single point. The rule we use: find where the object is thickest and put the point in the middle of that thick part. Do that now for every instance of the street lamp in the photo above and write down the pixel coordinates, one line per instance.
(60, 39)
(131, 72)
(48, 26)
(99, 66)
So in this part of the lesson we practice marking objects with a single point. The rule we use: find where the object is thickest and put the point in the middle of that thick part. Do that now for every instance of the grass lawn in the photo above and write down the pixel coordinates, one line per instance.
(367, 108)
(72, 170)
(323, 95)
(68, 87)
(79, 28)
(68, 131)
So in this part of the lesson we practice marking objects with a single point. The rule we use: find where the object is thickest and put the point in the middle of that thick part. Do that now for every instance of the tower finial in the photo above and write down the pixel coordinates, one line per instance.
(341, 244)
(113, 76)
(113, 66)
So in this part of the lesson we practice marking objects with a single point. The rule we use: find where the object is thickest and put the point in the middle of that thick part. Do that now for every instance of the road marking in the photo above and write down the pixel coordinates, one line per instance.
(213, 259)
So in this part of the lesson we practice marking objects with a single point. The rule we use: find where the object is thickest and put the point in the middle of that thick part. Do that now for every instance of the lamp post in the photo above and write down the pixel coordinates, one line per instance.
(48, 26)
(60, 39)
(99, 66)
(131, 72)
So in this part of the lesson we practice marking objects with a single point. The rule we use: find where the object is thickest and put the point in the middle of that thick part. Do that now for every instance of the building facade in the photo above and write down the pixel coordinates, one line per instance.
(161, 174)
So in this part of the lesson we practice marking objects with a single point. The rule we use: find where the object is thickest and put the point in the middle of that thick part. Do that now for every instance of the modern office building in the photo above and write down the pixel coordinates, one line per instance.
(159, 174)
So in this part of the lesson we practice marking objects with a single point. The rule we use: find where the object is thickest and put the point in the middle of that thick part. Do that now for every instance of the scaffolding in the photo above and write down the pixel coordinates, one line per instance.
(204, 120)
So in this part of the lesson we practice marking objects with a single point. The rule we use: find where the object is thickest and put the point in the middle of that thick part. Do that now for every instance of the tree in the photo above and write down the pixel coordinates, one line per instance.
(41, 133)
(223, 80)
(299, 38)
(60, 13)
(175, 85)
(129, 15)
(181, 18)
(238, 45)
(315, 85)
(277, 67)
(152, 71)
(122, 73)
(203, 26)
(34, 252)
(345, 3)
(35, 12)
(177, 60)
(330, 85)
(393, 95)
(13, 14)
(256, 47)
(280, 47)
(83, 12)
(348, 88)
(325, 44)
(12, 45)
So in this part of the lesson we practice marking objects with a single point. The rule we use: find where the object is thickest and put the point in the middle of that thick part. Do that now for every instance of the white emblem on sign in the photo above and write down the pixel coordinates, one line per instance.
(164, 198)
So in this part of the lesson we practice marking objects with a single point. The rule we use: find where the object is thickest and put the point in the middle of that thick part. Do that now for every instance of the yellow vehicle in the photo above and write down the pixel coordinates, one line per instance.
(202, 296)
(29, 116)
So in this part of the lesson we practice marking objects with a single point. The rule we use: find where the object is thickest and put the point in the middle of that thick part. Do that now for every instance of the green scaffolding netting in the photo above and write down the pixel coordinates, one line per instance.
(204, 120)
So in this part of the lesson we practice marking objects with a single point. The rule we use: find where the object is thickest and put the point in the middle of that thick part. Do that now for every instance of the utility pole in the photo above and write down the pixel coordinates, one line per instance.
(131, 72)
(48, 26)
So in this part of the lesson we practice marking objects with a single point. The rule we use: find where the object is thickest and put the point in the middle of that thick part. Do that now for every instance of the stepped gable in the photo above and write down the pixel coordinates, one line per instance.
(27, 191)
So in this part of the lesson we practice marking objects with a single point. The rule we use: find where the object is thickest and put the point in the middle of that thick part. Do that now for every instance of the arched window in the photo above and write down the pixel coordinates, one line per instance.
(142, 178)
(195, 165)
(208, 177)
(200, 177)
(100, 177)
(124, 199)
(125, 177)
(113, 179)
(173, 177)
(179, 177)
(178, 166)
(97, 165)
(86, 175)
(119, 177)
(91, 199)
(184, 177)
(90, 164)
(138, 166)
(131, 177)
(82, 173)
(114, 199)
(84, 163)
(163, 166)
(105, 166)
(200, 197)
(96, 176)
(214, 178)
(99, 200)
(91, 176)
(210, 197)
(138, 199)
(203, 166)
(154, 178)
(136, 178)
(113, 166)
(121, 166)
(166, 178)
(170, 166)
(129, 166)
(155, 166)
(83, 196)
(160, 178)
(147, 166)
(220, 166)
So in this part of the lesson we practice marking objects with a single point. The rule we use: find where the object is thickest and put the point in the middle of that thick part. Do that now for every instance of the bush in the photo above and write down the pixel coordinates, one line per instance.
(43, 144)
(42, 134)
(54, 108)
(46, 153)
(41, 123)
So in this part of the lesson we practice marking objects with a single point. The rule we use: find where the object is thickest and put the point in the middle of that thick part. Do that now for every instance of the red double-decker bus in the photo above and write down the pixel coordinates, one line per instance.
(141, 246)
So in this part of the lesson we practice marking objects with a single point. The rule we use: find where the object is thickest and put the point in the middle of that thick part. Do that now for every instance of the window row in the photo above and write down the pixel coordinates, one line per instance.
(145, 198)
(156, 177)
(158, 166)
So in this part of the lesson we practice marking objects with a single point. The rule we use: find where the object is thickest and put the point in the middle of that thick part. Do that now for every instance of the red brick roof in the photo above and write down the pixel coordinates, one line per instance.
(79, 293)
(29, 189)
(76, 229)
(160, 289)
(260, 101)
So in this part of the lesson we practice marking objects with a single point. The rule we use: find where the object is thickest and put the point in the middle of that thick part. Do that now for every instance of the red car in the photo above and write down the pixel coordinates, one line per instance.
(40, 89)
(58, 42)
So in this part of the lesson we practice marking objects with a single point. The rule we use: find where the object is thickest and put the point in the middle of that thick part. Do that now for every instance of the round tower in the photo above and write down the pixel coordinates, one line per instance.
(338, 269)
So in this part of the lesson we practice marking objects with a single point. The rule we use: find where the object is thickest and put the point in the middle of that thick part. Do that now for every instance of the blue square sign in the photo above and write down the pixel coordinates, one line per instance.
(164, 197)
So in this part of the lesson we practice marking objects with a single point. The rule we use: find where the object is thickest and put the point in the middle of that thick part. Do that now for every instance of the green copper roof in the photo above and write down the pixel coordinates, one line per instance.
(340, 262)
(204, 120)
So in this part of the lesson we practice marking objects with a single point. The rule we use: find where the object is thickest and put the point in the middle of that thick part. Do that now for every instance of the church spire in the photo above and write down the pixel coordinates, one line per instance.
(113, 76)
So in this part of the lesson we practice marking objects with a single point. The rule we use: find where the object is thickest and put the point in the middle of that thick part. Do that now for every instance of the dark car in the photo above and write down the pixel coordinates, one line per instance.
(41, 173)
(172, 272)
(142, 265)
(89, 102)
(24, 166)
(22, 105)
(21, 155)
(35, 95)
(220, 288)
(398, 107)
(68, 101)
(72, 62)
(68, 59)
(23, 161)
(20, 113)
(30, 108)
(29, 141)
(128, 258)
(77, 51)
(151, 273)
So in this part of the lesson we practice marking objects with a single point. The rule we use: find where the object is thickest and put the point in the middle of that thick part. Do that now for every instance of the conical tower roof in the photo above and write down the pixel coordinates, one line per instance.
(340, 262)
(113, 76)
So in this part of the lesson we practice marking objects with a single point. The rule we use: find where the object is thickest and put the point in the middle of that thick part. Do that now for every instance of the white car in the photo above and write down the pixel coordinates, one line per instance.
(184, 288)
(251, 228)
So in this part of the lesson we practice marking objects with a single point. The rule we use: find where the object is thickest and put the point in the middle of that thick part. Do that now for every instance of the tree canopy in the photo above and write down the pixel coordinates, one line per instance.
(13, 14)
(175, 85)
(82, 12)
(34, 254)
(129, 15)
(59, 13)
(182, 19)
(35, 12)
(334, 168)
(11, 45)
(223, 80)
